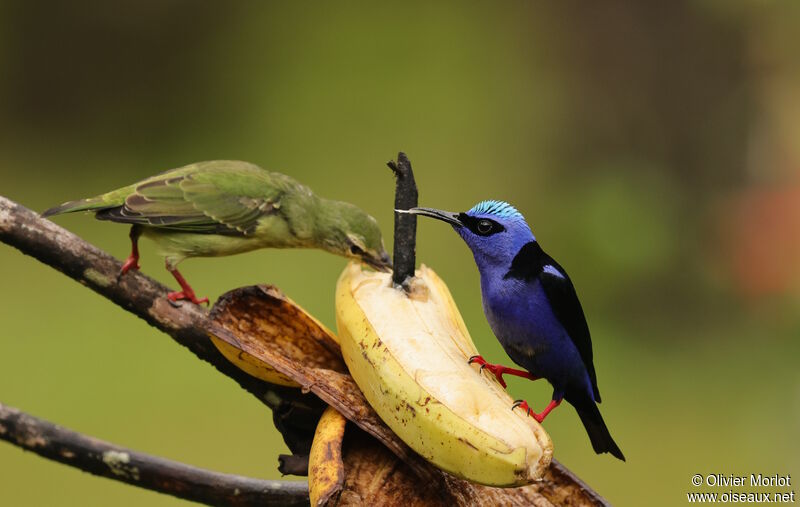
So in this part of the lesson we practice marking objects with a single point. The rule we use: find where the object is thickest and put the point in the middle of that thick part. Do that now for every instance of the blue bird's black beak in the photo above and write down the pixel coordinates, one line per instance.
(444, 216)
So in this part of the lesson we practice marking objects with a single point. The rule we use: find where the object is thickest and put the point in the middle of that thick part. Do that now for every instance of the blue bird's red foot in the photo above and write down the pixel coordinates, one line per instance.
(539, 417)
(498, 370)
(186, 293)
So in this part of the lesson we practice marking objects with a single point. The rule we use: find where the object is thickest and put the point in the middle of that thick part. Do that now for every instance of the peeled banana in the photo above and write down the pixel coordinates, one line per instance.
(408, 352)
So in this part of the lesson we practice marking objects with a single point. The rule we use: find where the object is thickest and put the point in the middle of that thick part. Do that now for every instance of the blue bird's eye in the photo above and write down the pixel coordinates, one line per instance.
(481, 226)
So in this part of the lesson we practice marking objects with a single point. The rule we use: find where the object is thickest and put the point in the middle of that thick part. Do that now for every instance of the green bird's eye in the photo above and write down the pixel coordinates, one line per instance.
(355, 250)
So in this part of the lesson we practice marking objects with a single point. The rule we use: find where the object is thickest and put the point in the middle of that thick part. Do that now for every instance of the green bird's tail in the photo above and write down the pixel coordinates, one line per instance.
(94, 203)
(105, 201)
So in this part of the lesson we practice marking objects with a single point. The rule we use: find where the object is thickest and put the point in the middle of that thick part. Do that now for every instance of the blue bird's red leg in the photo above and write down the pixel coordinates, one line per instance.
(539, 417)
(132, 262)
(187, 292)
(498, 370)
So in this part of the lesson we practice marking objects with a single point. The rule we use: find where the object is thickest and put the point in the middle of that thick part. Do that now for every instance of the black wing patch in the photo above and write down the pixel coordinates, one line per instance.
(533, 263)
(527, 264)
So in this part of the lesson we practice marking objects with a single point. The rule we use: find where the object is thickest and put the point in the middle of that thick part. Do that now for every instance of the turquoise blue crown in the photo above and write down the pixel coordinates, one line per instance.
(499, 209)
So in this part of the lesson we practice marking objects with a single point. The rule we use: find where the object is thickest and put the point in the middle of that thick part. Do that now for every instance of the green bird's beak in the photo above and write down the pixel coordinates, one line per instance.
(379, 262)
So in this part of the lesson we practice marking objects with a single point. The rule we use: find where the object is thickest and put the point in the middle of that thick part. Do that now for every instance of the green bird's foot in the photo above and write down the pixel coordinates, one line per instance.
(499, 370)
(132, 262)
(539, 417)
(181, 295)
(186, 293)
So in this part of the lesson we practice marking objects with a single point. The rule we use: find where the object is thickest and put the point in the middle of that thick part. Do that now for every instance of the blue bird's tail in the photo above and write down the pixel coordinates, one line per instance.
(596, 428)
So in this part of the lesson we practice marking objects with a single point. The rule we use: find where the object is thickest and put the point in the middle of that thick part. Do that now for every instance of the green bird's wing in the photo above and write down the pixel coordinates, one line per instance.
(218, 197)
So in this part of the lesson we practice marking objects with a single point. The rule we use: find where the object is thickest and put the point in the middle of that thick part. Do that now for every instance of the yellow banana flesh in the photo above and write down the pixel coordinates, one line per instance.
(409, 355)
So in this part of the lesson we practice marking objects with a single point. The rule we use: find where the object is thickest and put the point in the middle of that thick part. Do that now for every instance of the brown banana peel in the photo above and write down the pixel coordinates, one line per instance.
(325, 465)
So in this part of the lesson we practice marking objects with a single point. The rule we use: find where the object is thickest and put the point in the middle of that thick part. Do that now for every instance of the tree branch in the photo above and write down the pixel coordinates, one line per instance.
(187, 324)
(150, 472)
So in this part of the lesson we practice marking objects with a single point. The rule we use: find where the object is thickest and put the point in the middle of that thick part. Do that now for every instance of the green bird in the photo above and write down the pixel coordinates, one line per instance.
(225, 207)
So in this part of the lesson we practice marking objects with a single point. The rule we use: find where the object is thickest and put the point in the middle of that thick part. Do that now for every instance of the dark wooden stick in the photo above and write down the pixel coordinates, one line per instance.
(150, 472)
(405, 225)
(187, 323)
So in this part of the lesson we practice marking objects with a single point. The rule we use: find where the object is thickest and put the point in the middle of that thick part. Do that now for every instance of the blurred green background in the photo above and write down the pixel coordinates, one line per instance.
(653, 147)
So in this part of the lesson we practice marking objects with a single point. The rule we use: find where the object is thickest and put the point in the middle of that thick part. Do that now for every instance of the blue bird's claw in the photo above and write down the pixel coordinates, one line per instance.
(499, 370)
(496, 369)
(523, 404)
(539, 417)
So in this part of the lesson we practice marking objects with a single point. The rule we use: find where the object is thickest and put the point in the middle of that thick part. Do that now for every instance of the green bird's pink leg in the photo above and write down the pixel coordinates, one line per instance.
(187, 292)
(132, 262)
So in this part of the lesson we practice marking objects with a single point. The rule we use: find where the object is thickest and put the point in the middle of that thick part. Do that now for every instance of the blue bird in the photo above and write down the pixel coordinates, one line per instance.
(533, 309)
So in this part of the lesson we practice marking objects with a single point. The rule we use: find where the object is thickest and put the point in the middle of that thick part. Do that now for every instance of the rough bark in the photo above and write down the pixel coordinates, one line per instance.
(143, 470)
